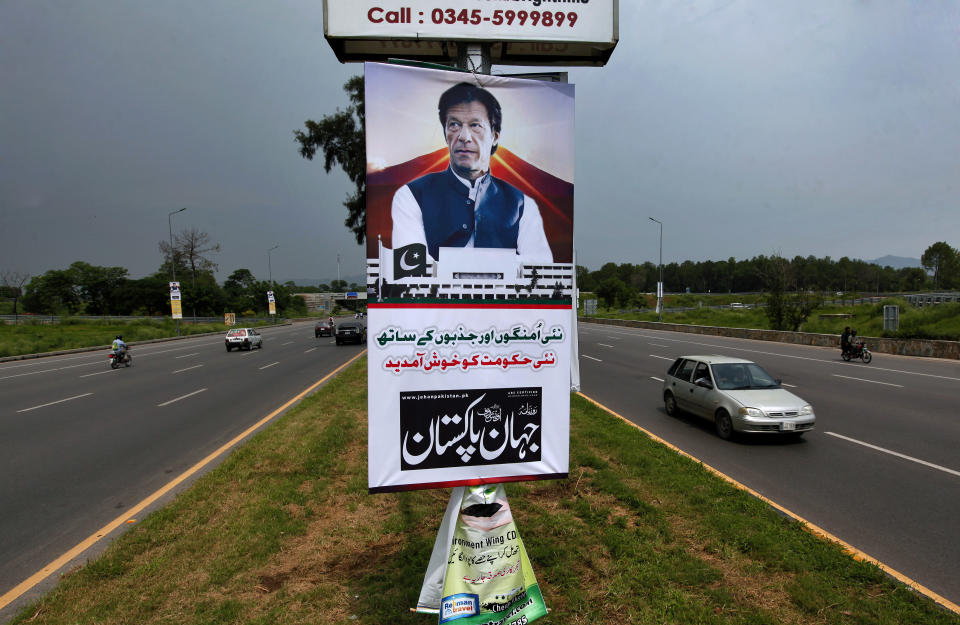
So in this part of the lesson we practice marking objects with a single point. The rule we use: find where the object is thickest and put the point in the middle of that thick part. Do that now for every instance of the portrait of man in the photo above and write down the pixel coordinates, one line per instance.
(464, 205)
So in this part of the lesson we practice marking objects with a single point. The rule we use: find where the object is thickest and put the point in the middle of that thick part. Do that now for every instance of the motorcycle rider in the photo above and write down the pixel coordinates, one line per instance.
(119, 348)
(852, 344)
(845, 340)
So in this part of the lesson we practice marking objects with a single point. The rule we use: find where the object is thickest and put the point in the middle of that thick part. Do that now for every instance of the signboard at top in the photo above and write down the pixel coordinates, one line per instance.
(524, 32)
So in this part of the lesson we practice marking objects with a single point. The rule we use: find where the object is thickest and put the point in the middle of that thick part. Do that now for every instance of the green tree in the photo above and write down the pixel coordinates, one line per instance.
(11, 286)
(341, 138)
(612, 290)
(944, 262)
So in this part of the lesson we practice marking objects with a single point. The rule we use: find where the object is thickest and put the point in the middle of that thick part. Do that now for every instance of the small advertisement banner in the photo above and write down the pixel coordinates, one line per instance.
(479, 571)
(272, 303)
(175, 307)
(230, 319)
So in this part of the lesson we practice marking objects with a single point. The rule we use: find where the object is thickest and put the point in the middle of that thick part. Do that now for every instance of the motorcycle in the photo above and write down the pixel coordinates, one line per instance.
(857, 350)
(124, 359)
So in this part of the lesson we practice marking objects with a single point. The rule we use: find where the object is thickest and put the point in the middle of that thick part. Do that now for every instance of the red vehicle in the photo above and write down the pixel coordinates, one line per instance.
(323, 328)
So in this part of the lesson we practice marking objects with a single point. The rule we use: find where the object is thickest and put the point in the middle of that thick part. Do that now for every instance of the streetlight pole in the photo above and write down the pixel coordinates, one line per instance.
(269, 265)
(173, 265)
(660, 283)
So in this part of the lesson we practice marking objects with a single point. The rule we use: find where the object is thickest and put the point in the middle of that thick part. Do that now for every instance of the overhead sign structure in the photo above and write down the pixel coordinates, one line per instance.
(175, 305)
(470, 318)
(573, 32)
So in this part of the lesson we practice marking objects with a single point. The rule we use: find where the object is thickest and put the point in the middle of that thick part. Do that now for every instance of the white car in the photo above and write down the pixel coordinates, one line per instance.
(243, 338)
(737, 395)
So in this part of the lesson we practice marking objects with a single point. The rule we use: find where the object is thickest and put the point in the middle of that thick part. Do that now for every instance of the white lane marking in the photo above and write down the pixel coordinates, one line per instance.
(187, 369)
(658, 345)
(591, 357)
(657, 379)
(287, 343)
(270, 365)
(312, 349)
(756, 351)
(604, 345)
(897, 454)
(788, 385)
(186, 355)
(87, 375)
(837, 375)
(45, 361)
(250, 352)
(612, 337)
(59, 401)
(167, 403)
(660, 357)
(20, 375)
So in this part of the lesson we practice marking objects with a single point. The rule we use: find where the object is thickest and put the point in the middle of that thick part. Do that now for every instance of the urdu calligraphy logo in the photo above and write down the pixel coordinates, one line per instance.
(481, 426)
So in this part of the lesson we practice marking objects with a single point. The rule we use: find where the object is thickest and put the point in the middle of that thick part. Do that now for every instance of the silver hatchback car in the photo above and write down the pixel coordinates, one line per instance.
(737, 395)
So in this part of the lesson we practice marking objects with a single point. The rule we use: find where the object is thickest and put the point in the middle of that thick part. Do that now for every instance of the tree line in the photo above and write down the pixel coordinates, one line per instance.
(626, 284)
(88, 289)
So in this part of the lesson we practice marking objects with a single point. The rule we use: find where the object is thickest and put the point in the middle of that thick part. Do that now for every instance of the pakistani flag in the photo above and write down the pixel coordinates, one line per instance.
(410, 260)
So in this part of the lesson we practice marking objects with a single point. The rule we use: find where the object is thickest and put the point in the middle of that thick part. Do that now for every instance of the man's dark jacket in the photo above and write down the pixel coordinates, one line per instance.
(450, 217)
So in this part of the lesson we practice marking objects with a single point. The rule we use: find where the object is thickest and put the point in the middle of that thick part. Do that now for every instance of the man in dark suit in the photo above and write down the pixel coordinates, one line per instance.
(464, 206)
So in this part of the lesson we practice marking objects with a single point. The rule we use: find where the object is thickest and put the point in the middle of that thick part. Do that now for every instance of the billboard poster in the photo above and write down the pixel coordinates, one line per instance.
(272, 303)
(470, 277)
(175, 302)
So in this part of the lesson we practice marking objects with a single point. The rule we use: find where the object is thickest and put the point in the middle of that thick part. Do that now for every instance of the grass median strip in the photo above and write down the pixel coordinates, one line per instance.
(284, 532)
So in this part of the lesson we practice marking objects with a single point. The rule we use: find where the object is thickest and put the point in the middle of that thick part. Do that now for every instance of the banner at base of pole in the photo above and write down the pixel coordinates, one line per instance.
(488, 579)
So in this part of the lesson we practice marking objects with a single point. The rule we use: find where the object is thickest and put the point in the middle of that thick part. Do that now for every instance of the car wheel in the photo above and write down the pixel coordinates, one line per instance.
(724, 425)
(670, 405)
(260, 345)
(228, 348)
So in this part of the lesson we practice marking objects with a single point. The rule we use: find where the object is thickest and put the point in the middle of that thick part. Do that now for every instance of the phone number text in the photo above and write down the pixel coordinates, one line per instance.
(509, 17)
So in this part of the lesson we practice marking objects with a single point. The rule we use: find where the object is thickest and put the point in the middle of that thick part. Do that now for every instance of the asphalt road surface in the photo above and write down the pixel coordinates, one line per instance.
(80, 443)
(881, 470)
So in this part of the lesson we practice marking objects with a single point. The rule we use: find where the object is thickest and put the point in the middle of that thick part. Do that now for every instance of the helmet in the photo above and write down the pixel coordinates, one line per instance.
(119, 338)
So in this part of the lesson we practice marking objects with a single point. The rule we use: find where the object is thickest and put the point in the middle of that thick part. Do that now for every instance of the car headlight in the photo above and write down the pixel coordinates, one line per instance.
(808, 409)
(751, 412)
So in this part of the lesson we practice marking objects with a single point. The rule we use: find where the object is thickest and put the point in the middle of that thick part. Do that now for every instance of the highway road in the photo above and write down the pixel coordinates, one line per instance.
(80, 443)
(881, 471)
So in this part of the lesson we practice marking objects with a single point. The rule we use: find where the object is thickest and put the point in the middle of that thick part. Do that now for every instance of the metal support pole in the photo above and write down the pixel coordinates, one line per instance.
(660, 283)
(173, 265)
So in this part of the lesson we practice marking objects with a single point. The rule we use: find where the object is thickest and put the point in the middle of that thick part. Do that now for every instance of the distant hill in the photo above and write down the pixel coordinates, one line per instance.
(897, 262)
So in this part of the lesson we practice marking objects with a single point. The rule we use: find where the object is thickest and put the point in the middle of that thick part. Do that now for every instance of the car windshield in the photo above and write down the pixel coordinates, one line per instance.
(741, 376)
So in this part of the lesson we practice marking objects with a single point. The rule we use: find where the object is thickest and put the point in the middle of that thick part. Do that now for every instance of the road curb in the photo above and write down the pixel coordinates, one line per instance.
(97, 348)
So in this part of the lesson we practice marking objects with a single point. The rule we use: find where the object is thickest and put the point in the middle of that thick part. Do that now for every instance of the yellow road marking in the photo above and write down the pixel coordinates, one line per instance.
(807, 525)
(88, 542)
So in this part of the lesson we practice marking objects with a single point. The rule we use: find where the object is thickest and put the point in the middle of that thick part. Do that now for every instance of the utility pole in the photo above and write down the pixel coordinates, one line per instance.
(660, 283)
(173, 265)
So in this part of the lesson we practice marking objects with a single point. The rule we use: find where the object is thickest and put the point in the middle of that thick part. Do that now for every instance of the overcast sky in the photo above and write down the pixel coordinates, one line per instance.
(799, 127)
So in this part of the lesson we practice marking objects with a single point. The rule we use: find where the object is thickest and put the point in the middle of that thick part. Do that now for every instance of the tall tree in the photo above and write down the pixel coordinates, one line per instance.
(341, 138)
(944, 262)
(11, 283)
